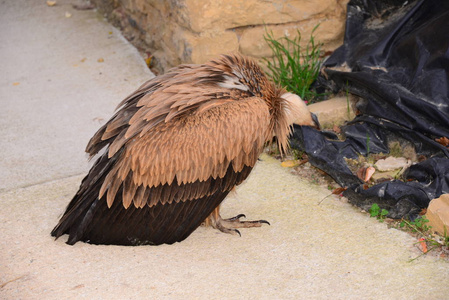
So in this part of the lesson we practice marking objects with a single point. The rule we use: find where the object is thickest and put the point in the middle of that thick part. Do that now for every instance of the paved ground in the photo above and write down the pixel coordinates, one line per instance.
(54, 94)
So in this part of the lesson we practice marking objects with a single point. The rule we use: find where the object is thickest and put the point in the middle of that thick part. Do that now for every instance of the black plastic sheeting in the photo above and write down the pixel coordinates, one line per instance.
(395, 57)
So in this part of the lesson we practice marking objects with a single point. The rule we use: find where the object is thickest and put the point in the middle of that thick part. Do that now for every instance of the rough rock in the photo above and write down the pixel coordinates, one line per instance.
(332, 112)
(391, 163)
(193, 31)
(329, 31)
(438, 215)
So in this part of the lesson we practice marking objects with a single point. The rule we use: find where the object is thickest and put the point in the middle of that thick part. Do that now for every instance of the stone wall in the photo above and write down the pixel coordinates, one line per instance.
(193, 31)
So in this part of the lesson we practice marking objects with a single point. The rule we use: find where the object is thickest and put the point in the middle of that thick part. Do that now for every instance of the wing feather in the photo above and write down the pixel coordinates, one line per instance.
(139, 199)
(173, 151)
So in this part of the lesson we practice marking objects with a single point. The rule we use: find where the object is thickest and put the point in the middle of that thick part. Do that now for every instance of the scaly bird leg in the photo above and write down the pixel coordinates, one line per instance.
(230, 225)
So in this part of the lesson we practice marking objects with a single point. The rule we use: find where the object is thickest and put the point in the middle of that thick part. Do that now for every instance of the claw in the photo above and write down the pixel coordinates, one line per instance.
(230, 225)
(264, 221)
(219, 225)
(236, 218)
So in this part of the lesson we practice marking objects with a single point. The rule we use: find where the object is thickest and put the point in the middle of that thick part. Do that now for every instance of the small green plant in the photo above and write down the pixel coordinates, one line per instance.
(418, 228)
(297, 154)
(418, 225)
(445, 239)
(293, 66)
(376, 212)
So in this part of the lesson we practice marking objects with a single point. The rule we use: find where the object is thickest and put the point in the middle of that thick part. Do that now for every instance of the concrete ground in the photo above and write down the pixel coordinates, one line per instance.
(55, 94)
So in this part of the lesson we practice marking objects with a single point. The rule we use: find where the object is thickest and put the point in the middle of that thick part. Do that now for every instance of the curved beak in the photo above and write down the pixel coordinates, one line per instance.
(315, 121)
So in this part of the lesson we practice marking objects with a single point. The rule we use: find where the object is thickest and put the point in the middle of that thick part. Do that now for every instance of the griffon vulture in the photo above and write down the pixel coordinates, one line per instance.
(174, 150)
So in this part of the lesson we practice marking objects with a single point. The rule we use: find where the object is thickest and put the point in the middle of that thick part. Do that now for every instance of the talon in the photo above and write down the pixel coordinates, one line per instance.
(230, 225)
(236, 218)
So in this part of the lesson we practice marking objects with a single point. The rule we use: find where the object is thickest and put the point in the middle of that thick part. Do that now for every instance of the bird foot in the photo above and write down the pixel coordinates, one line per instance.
(230, 225)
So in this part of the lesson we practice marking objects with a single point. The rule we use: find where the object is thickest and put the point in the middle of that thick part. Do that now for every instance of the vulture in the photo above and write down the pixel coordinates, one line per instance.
(173, 151)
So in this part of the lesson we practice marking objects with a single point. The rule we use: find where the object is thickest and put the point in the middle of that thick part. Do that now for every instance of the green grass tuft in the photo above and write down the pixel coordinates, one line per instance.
(294, 67)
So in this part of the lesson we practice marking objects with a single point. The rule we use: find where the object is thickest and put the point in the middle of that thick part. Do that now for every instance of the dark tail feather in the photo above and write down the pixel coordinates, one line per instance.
(84, 200)
(91, 220)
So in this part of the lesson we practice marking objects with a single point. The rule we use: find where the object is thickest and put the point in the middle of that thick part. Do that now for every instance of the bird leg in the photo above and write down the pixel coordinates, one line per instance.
(230, 225)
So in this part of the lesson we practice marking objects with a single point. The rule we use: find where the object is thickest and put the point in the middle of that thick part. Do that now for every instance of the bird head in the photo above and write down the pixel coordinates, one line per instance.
(297, 112)
(246, 75)
(237, 72)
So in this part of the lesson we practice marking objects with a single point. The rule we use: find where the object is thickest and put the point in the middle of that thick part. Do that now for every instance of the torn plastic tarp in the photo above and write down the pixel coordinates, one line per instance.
(395, 57)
